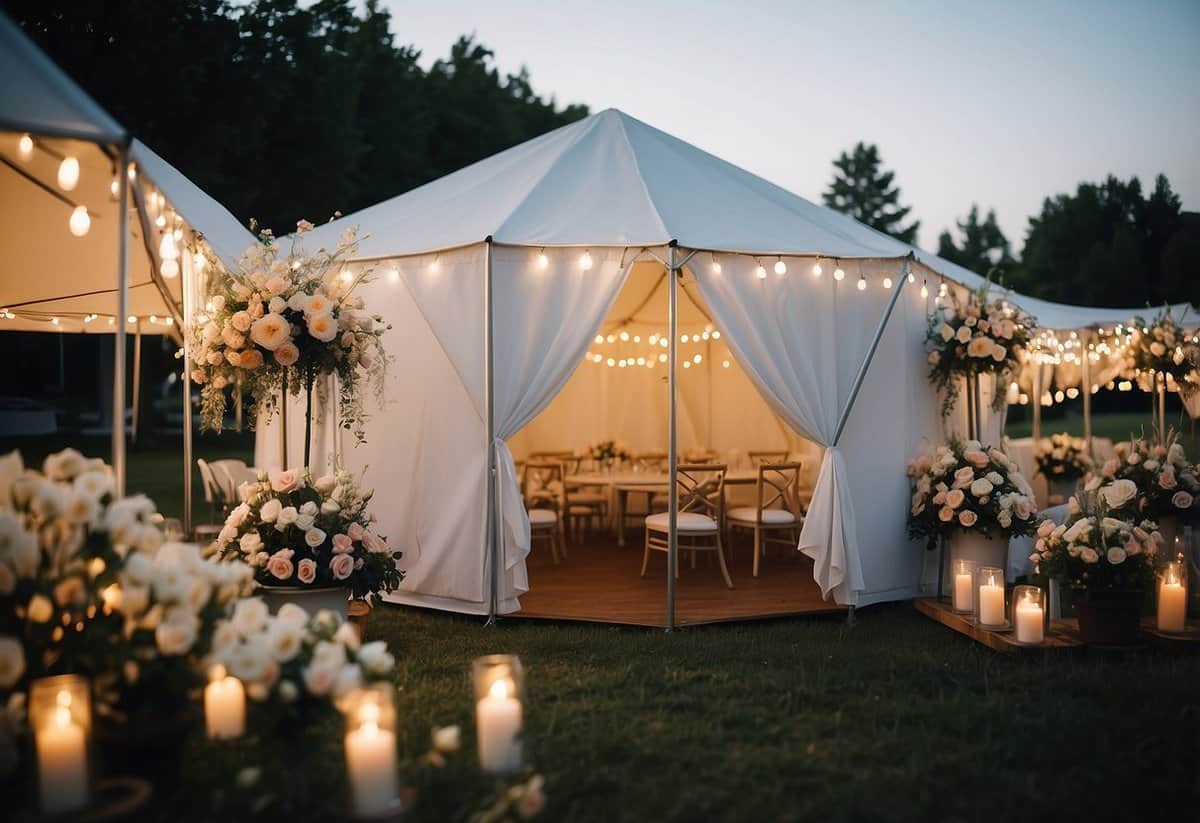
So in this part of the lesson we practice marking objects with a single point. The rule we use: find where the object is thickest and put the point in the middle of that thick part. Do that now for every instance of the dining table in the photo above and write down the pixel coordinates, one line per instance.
(621, 483)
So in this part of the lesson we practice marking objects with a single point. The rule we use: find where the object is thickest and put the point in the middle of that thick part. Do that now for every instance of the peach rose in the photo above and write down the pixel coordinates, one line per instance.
(341, 566)
(274, 285)
(279, 565)
(355, 531)
(270, 331)
(284, 481)
(967, 518)
(976, 458)
(322, 326)
(241, 321)
(287, 354)
(954, 498)
(251, 359)
(946, 514)
(342, 544)
(306, 571)
(234, 358)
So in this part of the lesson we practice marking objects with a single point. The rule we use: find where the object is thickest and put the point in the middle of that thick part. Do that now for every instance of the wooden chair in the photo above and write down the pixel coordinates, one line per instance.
(757, 458)
(545, 499)
(701, 493)
(776, 516)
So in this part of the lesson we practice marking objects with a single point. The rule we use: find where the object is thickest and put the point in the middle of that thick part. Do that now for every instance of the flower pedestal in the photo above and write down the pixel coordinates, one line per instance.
(1109, 618)
(334, 598)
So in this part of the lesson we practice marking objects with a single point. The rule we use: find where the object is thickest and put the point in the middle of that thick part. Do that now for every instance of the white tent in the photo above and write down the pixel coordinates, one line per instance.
(496, 279)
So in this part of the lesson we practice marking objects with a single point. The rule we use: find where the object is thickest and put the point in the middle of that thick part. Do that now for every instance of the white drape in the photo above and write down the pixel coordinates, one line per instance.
(801, 340)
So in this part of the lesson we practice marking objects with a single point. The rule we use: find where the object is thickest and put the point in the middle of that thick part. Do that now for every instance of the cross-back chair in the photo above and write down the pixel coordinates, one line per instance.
(545, 501)
(776, 516)
(700, 490)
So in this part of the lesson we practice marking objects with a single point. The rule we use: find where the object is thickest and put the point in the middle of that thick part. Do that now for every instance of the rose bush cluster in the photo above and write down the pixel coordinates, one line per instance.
(967, 485)
(293, 530)
(280, 322)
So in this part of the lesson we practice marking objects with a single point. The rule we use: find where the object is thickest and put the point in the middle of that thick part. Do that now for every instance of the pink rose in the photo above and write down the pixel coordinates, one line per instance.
(1167, 480)
(355, 531)
(976, 458)
(1182, 500)
(280, 564)
(341, 566)
(284, 481)
(946, 514)
(967, 518)
(939, 498)
(342, 544)
(306, 570)
(1024, 508)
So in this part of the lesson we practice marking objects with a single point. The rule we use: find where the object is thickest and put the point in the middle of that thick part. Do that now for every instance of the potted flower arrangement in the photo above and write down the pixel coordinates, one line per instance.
(973, 496)
(1154, 480)
(607, 452)
(280, 322)
(978, 337)
(1106, 560)
(310, 541)
(1062, 459)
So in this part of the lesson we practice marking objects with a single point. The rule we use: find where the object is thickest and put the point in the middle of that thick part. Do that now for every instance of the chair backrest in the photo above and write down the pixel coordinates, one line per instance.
(543, 480)
(701, 488)
(778, 486)
(757, 458)
(207, 481)
(701, 456)
(651, 461)
(550, 455)
(228, 474)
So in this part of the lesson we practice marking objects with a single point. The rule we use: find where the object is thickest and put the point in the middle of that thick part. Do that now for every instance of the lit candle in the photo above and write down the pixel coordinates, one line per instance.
(991, 604)
(62, 760)
(498, 720)
(371, 763)
(1172, 606)
(963, 601)
(1028, 619)
(224, 706)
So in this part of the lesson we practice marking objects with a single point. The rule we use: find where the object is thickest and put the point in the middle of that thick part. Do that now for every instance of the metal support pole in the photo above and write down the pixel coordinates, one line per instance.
(1086, 388)
(1036, 430)
(866, 364)
(976, 408)
(493, 542)
(188, 468)
(118, 422)
(283, 432)
(137, 379)
(1160, 381)
(672, 450)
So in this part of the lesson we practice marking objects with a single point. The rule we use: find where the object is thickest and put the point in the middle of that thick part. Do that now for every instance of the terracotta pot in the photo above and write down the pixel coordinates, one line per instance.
(312, 600)
(1109, 618)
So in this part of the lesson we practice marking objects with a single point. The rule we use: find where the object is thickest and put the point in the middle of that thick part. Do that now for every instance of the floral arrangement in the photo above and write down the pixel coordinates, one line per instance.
(88, 586)
(296, 659)
(281, 321)
(979, 337)
(296, 531)
(606, 451)
(1062, 457)
(1148, 480)
(1163, 346)
(967, 485)
(1096, 550)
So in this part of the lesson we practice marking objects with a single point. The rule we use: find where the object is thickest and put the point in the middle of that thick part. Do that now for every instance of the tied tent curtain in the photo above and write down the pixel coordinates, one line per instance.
(801, 340)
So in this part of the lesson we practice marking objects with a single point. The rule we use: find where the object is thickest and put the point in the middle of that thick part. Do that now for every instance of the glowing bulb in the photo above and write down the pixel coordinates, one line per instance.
(621, 363)
(716, 335)
(924, 289)
(816, 269)
(687, 364)
(599, 339)
(653, 339)
(160, 221)
(683, 338)
(780, 267)
(704, 335)
(624, 337)
(697, 358)
(662, 358)
(131, 172)
(612, 338)
(912, 278)
(170, 269)
(862, 283)
(611, 362)
(942, 290)
(114, 188)
(887, 282)
(760, 272)
(716, 267)
(641, 361)
(724, 364)
(68, 174)
(80, 222)
(54, 320)
(167, 249)
(543, 261)
(585, 262)
(839, 274)
(637, 338)
(131, 319)
(25, 146)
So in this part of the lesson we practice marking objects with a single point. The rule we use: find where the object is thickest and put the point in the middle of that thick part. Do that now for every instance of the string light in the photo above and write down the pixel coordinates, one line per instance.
(80, 222)
(131, 318)
(816, 268)
(716, 267)
(170, 269)
(887, 282)
(612, 338)
(54, 320)
(131, 172)
(167, 249)
(760, 272)
(199, 262)
(599, 339)
(662, 358)
(943, 289)
(724, 364)
(780, 267)
(862, 283)
(585, 262)
(114, 188)
(839, 274)
(25, 146)
(160, 221)
(697, 358)
(716, 335)
(435, 264)
(542, 260)
(68, 173)
(912, 278)
(924, 289)
(624, 335)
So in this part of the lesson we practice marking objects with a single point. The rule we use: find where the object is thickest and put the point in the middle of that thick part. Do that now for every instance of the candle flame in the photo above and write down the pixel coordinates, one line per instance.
(216, 673)
(500, 689)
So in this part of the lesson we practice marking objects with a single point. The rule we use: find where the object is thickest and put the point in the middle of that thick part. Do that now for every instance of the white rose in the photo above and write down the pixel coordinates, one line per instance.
(347, 635)
(330, 507)
(309, 507)
(291, 613)
(270, 510)
(287, 516)
(325, 483)
(981, 487)
(304, 522)
(319, 677)
(12, 662)
(446, 739)
(348, 679)
(285, 639)
(251, 543)
(249, 616)
(176, 634)
(1119, 492)
(314, 537)
(376, 659)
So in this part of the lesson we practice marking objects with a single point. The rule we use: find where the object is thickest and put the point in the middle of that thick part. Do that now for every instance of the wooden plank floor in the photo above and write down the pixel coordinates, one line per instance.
(601, 582)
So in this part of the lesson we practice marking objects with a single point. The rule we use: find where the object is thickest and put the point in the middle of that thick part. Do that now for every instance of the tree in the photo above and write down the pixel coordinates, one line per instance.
(1108, 245)
(984, 247)
(861, 189)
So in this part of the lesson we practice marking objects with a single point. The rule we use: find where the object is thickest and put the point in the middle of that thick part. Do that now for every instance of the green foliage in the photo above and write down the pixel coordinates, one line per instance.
(983, 249)
(279, 108)
(861, 189)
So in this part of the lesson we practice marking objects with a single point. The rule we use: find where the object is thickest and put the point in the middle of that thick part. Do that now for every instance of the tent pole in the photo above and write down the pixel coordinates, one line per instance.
(187, 439)
(489, 403)
(1036, 430)
(672, 451)
(1087, 394)
(137, 379)
(118, 422)
(866, 364)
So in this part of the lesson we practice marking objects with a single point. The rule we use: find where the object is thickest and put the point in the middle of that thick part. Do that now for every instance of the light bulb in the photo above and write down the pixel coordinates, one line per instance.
(760, 272)
(170, 269)
(724, 364)
(912, 278)
(924, 289)
(716, 267)
(542, 260)
(653, 339)
(68, 174)
(637, 338)
(887, 282)
(80, 222)
(160, 221)
(585, 262)
(687, 364)
(167, 249)
(839, 274)
(611, 362)
(662, 341)
(131, 172)
(199, 262)
(716, 335)
(131, 319)
(683, 338)
(598, 339)
(624, 336)
(942, 290)
(641, 361)
(612, 338)
(697, 358)
(25, 146)
(621, 363)
(662, 358)
(862, 283)
(780, 267)
(114, 188)
(54, 320)
(816, 269)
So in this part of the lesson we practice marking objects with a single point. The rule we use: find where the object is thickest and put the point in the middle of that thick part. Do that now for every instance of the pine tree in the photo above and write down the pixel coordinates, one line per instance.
(984, 247)
(861, 189)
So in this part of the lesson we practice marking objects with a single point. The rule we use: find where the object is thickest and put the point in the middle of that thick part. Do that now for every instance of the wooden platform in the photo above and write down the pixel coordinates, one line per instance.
(1061, 634)
(601, 582)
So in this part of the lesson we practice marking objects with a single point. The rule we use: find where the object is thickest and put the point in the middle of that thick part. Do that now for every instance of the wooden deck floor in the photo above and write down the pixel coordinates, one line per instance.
(600, 582)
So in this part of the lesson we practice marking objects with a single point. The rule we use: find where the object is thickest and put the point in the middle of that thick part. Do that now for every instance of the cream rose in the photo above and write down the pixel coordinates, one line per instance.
(955, 498)
(317, 304)
(1182, 500)
(314, 537)
(270, 331)
(967, 518)
(322, 326)
(1119, 492)
(963, 334)
(270, 510)
(251, 359)
(341, 566)
(980, 347)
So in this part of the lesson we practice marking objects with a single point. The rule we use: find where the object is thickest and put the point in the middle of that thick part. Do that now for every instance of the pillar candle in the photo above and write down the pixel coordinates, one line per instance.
(963, 602)
(1027, 617)
(1172, 607)
(62, 764)
(498, 718)
(371, 763)
(224, 708)
(991, 604)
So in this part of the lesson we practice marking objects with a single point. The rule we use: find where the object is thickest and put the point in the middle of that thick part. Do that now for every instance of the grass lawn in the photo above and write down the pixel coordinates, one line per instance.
(1114, 426)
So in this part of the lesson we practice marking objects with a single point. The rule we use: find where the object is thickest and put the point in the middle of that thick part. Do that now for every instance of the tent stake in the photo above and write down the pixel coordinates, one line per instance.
(493, 554)
(118, 422)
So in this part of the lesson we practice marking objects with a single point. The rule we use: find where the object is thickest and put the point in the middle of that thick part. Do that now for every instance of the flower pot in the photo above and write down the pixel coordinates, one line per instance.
(1109, 618)
(1060, 489)
(979, 548)
(312, 600)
